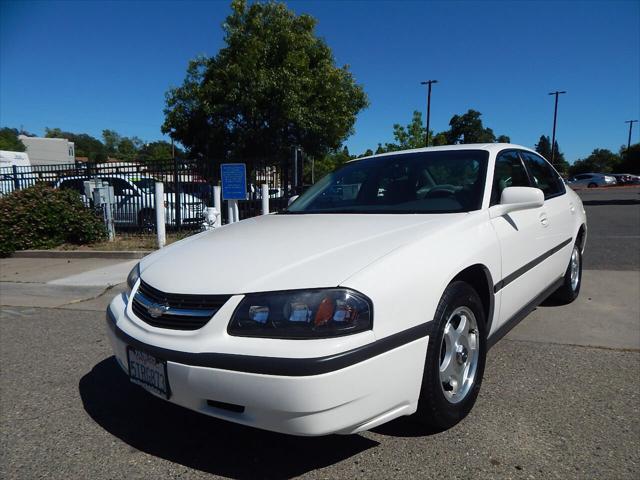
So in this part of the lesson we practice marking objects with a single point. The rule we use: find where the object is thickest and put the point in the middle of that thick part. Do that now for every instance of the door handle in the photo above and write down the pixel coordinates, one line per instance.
(572, 208)
(543, 219)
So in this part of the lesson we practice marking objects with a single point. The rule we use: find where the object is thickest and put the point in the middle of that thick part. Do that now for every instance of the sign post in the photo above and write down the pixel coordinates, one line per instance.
(234, 187)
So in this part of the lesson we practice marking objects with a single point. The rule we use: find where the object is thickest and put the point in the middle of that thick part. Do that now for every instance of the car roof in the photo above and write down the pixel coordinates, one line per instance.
(489, 147)
(129, 177)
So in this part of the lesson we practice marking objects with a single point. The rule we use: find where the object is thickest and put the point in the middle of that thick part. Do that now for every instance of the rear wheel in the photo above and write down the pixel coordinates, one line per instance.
(455, 358)
(592, 185)
(570, 288)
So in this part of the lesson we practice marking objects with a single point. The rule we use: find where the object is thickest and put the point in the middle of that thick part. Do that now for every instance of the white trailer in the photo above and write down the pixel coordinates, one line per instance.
(14, 167)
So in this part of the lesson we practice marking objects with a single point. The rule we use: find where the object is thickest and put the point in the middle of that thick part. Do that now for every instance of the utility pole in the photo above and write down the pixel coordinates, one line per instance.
(553, 136)
(428, 83)
(630, 122)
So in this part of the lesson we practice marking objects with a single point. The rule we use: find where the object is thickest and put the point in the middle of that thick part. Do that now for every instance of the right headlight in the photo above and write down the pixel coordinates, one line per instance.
(132, 278)
(317, 313)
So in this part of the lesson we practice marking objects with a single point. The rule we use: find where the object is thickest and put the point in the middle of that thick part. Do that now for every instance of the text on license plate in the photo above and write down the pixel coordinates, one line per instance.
(148, 372)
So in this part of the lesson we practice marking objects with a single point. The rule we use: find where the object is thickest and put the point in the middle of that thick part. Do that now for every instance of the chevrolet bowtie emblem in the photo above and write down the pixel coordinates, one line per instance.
(156, 310)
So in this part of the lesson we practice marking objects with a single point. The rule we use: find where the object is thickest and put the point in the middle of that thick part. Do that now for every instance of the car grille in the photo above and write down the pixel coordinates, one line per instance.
(175, 311)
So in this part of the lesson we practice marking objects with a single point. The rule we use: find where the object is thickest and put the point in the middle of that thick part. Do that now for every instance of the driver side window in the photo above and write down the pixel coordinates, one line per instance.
(509, 172)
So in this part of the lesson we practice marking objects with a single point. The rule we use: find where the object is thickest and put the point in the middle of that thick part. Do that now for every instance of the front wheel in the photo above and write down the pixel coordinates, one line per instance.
(455, 358)
(592, 185)
(572, 281)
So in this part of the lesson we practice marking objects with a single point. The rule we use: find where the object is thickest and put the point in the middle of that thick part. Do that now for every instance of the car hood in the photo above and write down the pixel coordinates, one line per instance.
(282, 252)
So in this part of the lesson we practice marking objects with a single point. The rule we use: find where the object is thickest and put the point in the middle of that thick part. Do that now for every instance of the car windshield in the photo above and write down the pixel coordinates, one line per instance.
(445, 181)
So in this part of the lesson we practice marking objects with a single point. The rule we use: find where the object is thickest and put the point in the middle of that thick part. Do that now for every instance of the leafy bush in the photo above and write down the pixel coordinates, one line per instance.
(43, 217)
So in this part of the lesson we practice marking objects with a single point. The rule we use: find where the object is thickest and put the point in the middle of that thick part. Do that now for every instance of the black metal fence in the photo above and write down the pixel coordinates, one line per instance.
(188, 189)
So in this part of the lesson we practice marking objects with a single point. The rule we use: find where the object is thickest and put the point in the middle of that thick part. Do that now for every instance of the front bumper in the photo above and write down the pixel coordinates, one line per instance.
(344, 393)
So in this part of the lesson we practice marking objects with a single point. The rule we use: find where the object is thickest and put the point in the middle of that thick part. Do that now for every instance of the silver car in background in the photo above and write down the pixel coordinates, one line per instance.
(592, 180)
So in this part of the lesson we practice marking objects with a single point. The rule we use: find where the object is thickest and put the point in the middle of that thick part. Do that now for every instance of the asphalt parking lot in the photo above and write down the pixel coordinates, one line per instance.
(560, 397)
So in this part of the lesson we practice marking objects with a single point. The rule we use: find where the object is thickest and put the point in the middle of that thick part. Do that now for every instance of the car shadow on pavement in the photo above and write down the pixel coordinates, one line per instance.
(204, 443)
(611, 202)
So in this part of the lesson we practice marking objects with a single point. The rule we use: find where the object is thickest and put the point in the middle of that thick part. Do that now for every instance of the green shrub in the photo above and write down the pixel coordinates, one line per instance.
(43, 217)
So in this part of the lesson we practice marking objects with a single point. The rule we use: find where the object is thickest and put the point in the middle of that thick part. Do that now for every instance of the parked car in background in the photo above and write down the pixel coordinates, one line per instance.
(626, 178)
(135, 200)
(376, 294)
(592, 180)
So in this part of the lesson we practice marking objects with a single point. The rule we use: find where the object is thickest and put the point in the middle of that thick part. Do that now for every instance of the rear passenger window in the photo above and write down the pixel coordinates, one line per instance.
(509, 172)
(543, 175)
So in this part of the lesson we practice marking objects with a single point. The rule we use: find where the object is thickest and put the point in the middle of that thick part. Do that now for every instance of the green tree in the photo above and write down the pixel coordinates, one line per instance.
(9, 140)
(157, 152)
(439, 139)
(630, 160)
(543, 147)
(503, 139)
(468, 128)
(601, 160)
(367, 153)
(274, 84)
(111, 140)
(405, 138)
(85, 145)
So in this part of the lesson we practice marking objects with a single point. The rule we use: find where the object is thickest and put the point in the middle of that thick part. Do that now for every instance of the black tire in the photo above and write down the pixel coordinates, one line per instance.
(434, 409)
(592, 185)
(147, 220)
(569, 291)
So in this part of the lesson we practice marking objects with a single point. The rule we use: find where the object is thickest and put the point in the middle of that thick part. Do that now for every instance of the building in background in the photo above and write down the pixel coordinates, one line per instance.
(49, 151)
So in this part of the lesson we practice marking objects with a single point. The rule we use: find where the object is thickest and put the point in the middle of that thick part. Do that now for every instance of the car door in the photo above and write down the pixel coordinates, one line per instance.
(557, 216)
(127, 201)
(583, 179)
(521, 235)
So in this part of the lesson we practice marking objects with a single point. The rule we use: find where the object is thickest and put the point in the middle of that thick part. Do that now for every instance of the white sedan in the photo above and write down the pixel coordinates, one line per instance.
(375, 295)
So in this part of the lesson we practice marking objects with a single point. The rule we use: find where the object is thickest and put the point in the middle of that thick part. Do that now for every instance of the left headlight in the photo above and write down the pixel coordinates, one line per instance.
(133, 277)
(319, 313)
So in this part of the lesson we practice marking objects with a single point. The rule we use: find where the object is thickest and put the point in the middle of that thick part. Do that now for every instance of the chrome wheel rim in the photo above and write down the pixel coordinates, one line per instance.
(459, 354)
(575, 268)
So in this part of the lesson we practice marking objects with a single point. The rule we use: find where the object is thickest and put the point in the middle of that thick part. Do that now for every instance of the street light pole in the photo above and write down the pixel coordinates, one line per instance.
(630, 122)
(428, 83)
(555, 117)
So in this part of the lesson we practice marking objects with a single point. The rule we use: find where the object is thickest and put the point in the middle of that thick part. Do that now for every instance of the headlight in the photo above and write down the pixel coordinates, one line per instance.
(302, 314)
(133, 277)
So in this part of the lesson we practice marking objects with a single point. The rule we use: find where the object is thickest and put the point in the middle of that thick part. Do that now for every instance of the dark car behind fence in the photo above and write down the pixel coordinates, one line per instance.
(188, 189)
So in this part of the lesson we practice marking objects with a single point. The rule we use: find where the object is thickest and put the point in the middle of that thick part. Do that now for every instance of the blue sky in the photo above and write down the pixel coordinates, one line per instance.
(87, 66)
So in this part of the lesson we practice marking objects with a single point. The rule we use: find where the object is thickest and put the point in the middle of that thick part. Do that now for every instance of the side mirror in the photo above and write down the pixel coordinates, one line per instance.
(517, 198)
(292, 199)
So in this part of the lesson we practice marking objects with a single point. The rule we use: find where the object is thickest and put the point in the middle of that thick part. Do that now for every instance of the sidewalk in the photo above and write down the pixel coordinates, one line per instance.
(77, 283)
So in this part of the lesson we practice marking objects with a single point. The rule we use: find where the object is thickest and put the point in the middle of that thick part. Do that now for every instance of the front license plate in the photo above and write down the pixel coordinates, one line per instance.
(149, 372)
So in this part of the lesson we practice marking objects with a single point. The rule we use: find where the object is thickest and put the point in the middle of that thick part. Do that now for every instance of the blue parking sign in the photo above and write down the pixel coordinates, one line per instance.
(234, 181)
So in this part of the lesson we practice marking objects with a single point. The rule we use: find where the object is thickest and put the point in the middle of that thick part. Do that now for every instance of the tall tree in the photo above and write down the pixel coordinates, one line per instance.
(601, 160)
(111, 140)
(157, 152)
(468, 128)
(543, 147)
(274, 85)
(9, 140)
(630, 160)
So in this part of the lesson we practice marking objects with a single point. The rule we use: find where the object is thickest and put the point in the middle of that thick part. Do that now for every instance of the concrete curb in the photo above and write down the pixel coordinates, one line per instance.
(80, 254)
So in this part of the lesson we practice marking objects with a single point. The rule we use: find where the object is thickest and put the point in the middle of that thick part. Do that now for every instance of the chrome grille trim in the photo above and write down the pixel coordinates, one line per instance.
(173, 310)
